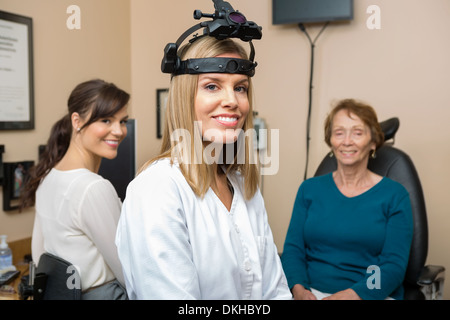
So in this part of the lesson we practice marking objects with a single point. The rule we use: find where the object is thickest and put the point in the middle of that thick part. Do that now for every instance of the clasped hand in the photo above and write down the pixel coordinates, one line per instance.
(300, 293)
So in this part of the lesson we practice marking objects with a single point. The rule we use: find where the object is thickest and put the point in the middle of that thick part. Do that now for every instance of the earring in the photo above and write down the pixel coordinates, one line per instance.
(78, 129)
(331, 154)
(374, 155)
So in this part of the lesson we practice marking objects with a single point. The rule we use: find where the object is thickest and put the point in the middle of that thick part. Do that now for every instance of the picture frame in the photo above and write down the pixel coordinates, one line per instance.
(161, 101)
(16, 72)
(14, 176)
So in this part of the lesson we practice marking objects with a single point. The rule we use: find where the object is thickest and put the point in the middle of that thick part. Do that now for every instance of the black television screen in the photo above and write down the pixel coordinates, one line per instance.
(308, 11)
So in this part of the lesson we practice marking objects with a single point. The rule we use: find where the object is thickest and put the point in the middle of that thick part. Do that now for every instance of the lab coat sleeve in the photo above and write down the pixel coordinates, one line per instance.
(153, 241)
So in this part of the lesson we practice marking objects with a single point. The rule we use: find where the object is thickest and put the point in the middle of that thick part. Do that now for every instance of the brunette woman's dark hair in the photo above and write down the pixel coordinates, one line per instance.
(96, 99)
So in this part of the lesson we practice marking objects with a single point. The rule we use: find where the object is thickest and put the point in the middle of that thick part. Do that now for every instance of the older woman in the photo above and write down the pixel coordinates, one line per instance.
(351, 230)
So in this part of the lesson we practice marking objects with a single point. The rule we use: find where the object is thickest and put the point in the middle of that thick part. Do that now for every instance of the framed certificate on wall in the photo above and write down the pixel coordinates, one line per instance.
(16, 72)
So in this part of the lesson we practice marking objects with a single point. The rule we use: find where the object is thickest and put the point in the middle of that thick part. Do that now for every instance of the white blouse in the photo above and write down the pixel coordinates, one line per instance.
(175, 245)
(77, 212)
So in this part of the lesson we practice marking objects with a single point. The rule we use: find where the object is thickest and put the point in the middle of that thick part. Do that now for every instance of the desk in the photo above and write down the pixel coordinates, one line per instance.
(19, 248)
(23, 268)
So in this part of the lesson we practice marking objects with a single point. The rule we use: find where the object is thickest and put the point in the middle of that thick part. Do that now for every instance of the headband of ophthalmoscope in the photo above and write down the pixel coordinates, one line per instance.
(226, 23)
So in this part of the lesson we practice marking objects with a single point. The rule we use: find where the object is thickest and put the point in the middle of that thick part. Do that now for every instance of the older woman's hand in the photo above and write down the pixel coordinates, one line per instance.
(300, 293)
(348, 294)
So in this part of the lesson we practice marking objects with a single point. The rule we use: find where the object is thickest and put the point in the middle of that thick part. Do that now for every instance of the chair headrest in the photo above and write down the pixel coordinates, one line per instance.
(390, 127)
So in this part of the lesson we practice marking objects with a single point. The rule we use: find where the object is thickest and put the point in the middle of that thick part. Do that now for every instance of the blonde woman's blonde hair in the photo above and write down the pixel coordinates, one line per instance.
(180, 114)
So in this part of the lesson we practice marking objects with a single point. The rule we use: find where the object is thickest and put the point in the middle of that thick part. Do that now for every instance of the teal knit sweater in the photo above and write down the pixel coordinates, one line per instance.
(334, 242)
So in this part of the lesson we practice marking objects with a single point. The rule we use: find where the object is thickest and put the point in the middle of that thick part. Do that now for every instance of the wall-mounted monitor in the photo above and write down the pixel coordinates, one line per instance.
(311, 11)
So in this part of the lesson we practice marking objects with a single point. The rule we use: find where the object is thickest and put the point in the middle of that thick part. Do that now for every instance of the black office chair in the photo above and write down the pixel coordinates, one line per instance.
(421, 282)
(53, 279)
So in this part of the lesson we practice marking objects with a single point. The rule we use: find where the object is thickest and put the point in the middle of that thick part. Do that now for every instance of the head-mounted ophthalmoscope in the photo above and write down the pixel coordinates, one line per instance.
(225, 23)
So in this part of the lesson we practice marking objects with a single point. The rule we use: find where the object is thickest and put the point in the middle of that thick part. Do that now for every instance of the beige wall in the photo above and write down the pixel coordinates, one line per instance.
(402, 70)
(62, 59)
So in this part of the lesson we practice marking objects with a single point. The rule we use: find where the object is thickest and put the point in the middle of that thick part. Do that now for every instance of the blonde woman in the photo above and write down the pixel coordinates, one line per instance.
(193, 223)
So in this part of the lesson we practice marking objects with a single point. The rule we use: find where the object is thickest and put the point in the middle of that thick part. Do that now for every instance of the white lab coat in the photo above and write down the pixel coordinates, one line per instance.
(175, 245)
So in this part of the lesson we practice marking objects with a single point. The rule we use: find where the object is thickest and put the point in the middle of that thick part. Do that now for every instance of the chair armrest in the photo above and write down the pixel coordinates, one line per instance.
(430, 274)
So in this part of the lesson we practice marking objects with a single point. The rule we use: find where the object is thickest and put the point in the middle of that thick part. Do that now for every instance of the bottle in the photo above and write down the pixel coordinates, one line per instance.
(5, 253)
